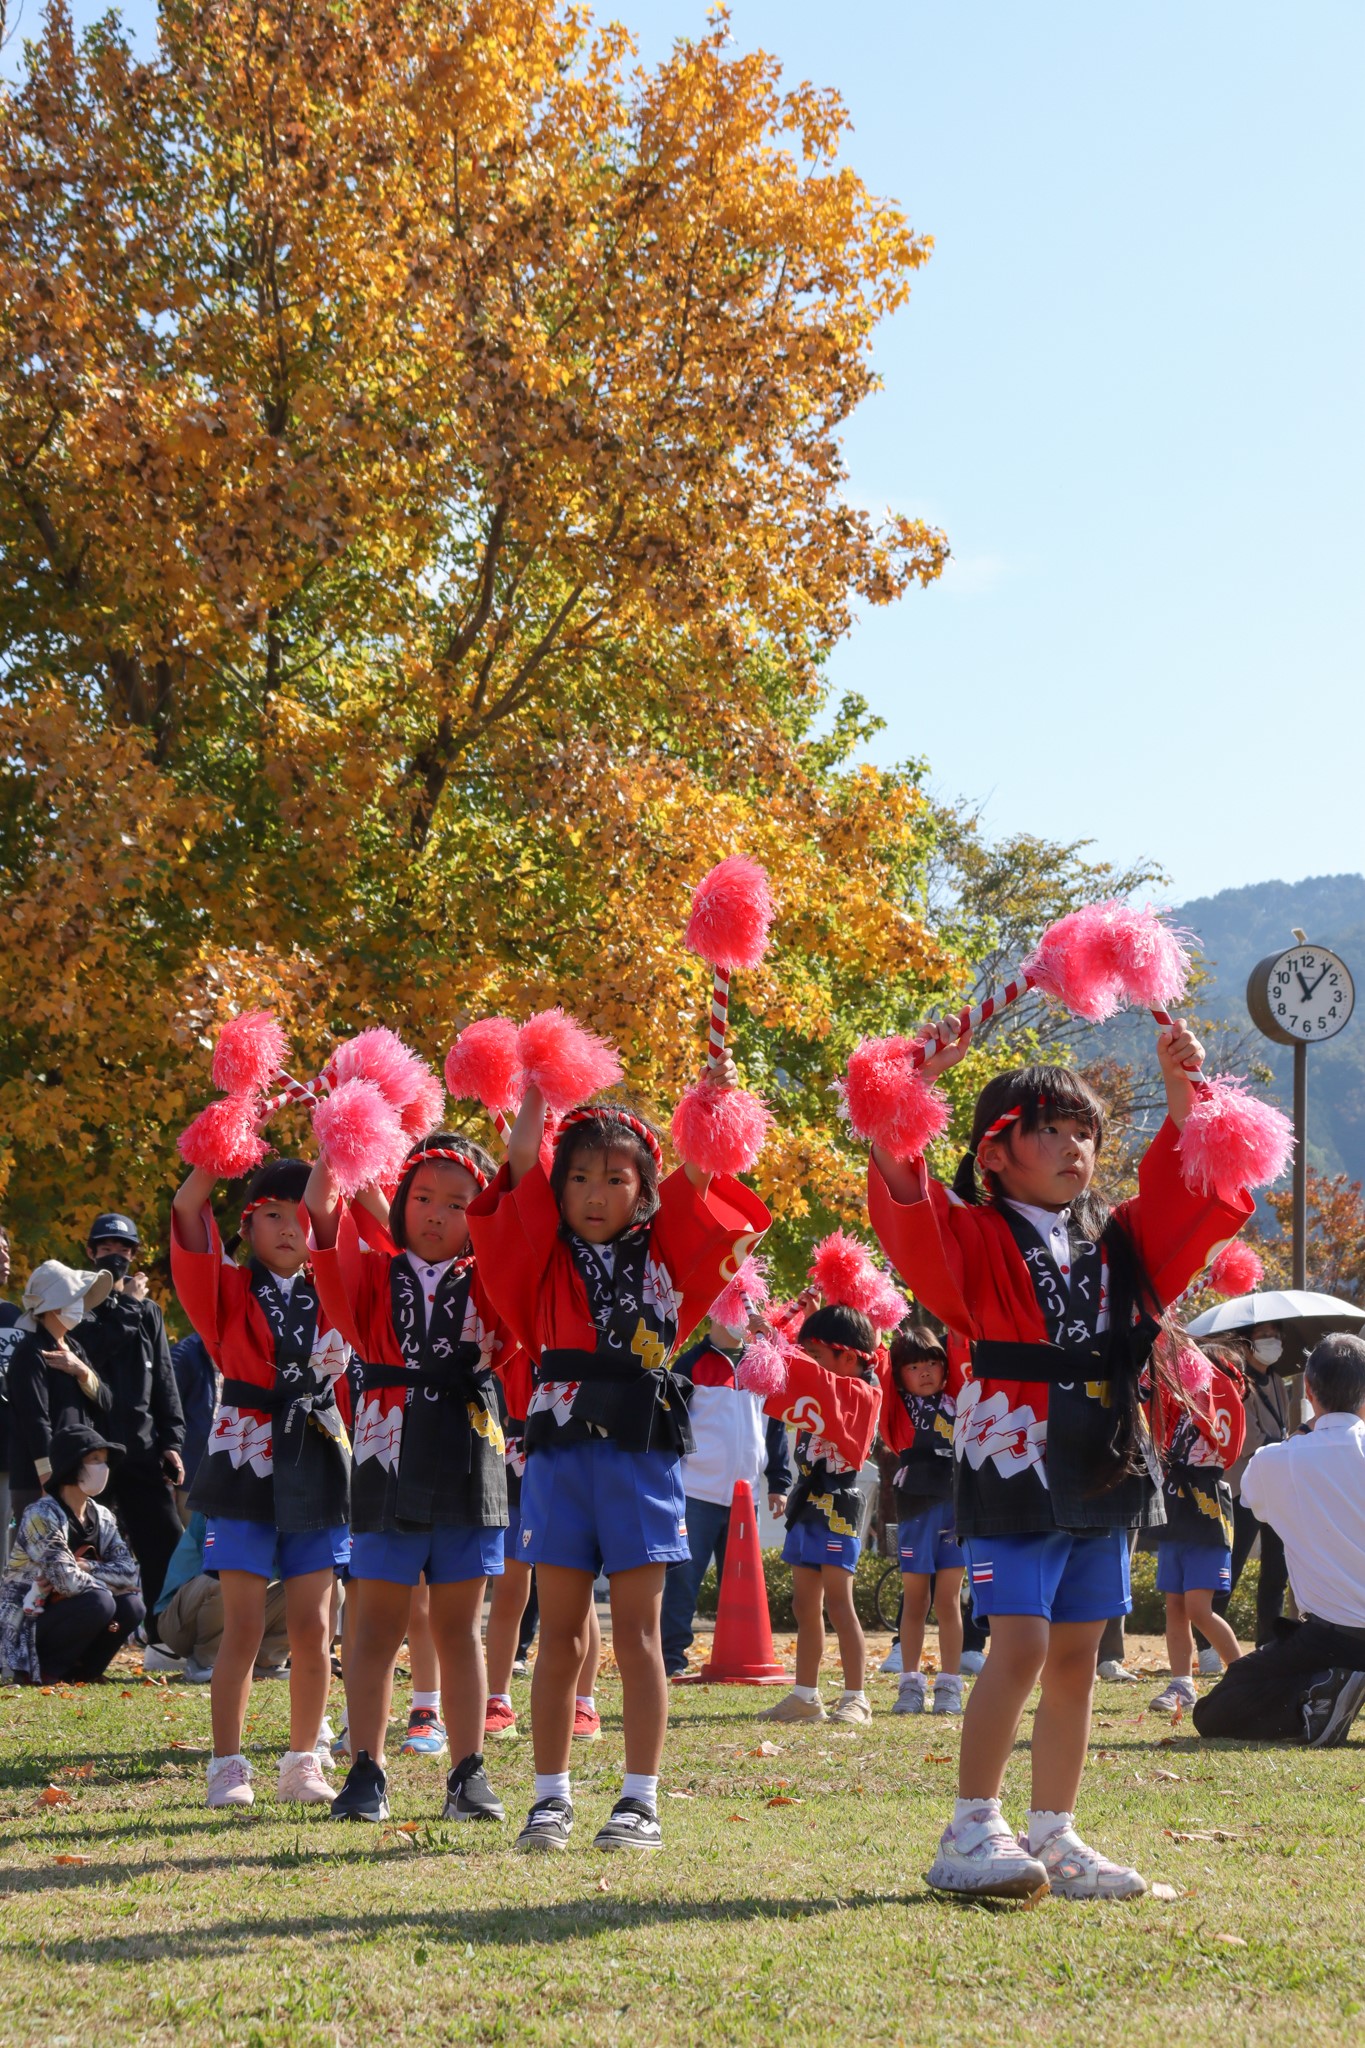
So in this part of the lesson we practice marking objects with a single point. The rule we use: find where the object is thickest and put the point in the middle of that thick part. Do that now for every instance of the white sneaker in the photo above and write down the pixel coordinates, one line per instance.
(1115, 1673)
(197, 1674)
(853, 1712)
(1076, 1871)
(973, 1662)
(301, 1779)
(983, 1860)
(230, 1781)
(1210, 1663)
(947, 1693)
(910, 1698)
(891, 1662)
(1180, 1693)
(154, 1658)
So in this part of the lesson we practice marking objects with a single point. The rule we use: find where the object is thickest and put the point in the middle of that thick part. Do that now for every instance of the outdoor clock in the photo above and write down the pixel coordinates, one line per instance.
(1301, 996)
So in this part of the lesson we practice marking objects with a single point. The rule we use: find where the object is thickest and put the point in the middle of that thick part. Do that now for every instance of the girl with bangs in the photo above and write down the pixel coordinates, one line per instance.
(1060, 1297)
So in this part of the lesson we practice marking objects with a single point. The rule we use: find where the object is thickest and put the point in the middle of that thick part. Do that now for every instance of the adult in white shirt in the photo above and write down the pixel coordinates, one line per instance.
(1309, 1684)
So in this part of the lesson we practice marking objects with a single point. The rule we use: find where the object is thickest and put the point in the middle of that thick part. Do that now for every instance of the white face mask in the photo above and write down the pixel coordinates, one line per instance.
(1267, 1350)
(93, 1479)
(69, 1317)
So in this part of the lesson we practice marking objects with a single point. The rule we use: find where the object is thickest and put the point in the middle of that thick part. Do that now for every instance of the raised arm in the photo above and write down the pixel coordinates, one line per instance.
(527, 1135)
(191, 1199)
(322, 1199)
(903, 1180)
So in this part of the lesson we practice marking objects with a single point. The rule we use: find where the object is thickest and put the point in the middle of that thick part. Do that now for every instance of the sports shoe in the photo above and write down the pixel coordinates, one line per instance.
(500, 1721)
(469, 1796)
(973, 1662)
(853, 1712)
(548, 1825)
(947, 1693)
(1330, 1705)
(154, 1658)
(587, 1724)
(263, 1671)
(1210, 1664)
(1076, 1871)
(632, 1825)
(1180, 1693)
(426, 1734)
(1113, 1672)
(197, 1674)
(520, 1667)
(341, 1741)
(910, 1697)
(230, 1781)
(983, 1860)
(365, 1795)
(790, 1708)
(301, 1779)
(891, 1662)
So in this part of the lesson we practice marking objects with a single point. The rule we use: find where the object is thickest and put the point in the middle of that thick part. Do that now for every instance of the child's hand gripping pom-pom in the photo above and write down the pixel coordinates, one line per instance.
(250, 1052)
(1231, 1141)
(1236, 1270)
(746, 1295)
(566, 1062)
(360, 1135)
(484, 1065)
(718, 1129)
(732, 915)
(225, 1139)
(889, 1102)
(763, 1370)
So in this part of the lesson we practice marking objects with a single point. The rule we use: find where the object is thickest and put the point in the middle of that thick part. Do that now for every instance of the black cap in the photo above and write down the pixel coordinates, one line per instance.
(113, 1228)
(69, 1449)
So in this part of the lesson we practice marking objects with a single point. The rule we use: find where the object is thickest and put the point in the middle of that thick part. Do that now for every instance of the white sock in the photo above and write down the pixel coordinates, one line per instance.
(426, 1702)
(963, 1809)
(1042, 1826)
(294, 1756)
(806, 1692)
(505, 1697)
(552, 1785)
(639, 1785)
(586, 1701)
(859, 1696)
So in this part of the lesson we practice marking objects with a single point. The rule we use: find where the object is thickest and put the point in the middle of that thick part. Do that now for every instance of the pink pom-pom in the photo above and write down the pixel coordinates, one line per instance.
(359, 1134)
(1074, 964)
(225, 1138)
(484, 1065)
(732, 914)
(720, 1130)
(250, 1051)
(425, 1107)
(883, 1303)
(889, 1102)
(378, 1056)
(1236, 1270)
(840, 1267)
(1150, 961)
(1231, 1141)
(1193, 1371)
(567, 1063)
(747, 1292)
(763, 1369)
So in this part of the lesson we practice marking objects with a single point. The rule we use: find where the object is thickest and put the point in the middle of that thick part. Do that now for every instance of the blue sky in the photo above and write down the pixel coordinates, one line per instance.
(1129, 387)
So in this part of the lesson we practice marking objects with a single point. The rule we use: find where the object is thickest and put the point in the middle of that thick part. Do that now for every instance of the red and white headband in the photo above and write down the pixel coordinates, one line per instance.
(588, 1114)
(470, 1165)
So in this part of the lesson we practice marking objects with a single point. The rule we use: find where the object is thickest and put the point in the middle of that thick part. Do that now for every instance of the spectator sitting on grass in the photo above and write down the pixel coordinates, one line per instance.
(186, 1627)
(70, 1595)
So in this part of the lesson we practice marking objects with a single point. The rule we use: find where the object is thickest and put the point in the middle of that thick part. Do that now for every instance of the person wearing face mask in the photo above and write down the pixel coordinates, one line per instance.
(125, 1341)
(52, 1384)
(70, 1596)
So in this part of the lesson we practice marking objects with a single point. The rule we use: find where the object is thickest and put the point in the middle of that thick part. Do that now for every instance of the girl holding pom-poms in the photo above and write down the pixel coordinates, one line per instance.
(1059, 1296)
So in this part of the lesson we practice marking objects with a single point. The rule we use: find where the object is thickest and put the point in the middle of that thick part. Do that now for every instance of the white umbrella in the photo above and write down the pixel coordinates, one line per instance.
(1303, 1317)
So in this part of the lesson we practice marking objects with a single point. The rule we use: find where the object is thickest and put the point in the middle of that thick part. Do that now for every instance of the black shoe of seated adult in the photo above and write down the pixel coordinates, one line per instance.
(1330, 1705)
(365, 1795)
(469, 1796)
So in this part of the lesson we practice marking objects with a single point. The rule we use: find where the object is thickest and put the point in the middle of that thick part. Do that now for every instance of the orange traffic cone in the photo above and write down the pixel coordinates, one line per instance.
(742, 1647)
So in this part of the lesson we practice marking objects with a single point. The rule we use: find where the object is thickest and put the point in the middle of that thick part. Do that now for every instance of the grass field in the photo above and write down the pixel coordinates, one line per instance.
(787, 1905)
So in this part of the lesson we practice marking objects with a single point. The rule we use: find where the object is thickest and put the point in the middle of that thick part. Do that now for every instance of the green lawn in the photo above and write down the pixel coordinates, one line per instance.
(787, 1904)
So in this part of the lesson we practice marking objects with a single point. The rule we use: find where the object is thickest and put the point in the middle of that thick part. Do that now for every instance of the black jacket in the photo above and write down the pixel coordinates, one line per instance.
(125, 1341)
(43, 1400)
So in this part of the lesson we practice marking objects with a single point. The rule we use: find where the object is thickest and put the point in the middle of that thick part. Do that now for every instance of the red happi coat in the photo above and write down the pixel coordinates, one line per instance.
(963, 1262)
(1198, 1439)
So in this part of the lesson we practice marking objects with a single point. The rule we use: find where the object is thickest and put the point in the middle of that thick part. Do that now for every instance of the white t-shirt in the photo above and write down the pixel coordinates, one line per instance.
(1311, 1491)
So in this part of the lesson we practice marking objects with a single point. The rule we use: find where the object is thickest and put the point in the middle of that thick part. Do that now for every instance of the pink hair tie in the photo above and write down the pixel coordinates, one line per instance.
(587, 1114)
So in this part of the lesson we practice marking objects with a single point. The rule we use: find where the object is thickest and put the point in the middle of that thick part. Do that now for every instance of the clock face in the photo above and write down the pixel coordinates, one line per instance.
(1308, 993)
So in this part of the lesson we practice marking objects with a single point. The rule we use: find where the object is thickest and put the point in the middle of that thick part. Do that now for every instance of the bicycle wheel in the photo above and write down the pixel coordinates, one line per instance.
(887, 1600)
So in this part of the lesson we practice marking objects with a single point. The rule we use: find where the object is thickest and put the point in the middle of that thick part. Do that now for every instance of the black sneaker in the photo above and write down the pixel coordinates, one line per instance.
(548, 1825)
(364, 1796)
(469, 1796)
(1330, 1705)
(633, 1825)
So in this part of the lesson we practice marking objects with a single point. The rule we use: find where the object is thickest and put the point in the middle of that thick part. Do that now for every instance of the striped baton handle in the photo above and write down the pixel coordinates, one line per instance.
(1193, 1069)
(501, 1124)
(291, 1090)
(948, 1030)
(720, 1015)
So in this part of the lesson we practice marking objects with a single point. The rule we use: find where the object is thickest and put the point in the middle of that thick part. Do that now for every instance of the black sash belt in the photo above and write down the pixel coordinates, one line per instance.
(638, 1409)
(271, 1400)
(453, 1376)
(1006, 1359)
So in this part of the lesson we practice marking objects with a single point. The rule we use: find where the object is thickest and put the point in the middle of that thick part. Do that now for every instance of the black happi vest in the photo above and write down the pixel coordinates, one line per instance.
(625, 1389)
(450, 1453)
(1197, 1498)
(823, 1494)
(925, 1471)
(1071, 1490)
(309, 1484)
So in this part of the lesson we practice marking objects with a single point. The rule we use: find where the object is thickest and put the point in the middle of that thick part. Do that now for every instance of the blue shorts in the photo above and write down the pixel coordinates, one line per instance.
(596, 1508)
(511, 1546)
(1193, 1568)
(927, 1543)
(271, 1553)
(815, 1545)
(446, 1555)
(1057, 1575)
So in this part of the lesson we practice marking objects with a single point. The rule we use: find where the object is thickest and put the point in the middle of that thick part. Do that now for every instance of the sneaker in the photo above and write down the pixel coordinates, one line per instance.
(197, 1674)
(1179, 1694)
(1076, 1871)
(853, 1712)
(230, 1781)
(500, 1721)
(587, 1724)
(341, 1741)
(1115, 1673)
(469, 1796)
(426, 1734)
(365, 1795)
(947, 1693)
(973, 1663)
(301, 1779)
(548, 1825)
(983, 1860)
(910, 1697)
(892, 1660)
(790, 1708)
(1210, 1664)
(154, 1658)
(263, 1671)
(632, 1825)
(520, 1668)
(1330, 1706)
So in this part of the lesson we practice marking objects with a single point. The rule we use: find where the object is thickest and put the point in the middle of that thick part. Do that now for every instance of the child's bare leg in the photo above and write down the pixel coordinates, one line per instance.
(378, 1625)
(1061, 1726)
(837, 1586)
(308, 1618)
(506, 1607)
(948, 1608)
(1019, 1649)
(1179, 1641)
(422, 1658)
(592, 1662)
(456, 1611)
(914, 1615)
(565, 1598)
(1201, 1611)
(243, 1629)
(808, 1601)
(636, 1601)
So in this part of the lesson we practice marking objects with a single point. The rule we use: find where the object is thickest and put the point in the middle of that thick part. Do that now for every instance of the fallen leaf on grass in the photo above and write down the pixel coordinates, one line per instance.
(602, 1885)
(682, 1795)
(1165, 1892)
(125, 1695)
(784, 1799)
(736, 1816)
(53, 1795)
(76, 1771)
(938, 1759)
(71, 1859)
(1167, 1777)
(47, 1692)
(767, 1749)
(1232, 1940)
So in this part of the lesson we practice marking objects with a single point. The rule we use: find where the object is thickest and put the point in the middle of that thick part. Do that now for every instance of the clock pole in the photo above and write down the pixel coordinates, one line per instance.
(1301, 1163)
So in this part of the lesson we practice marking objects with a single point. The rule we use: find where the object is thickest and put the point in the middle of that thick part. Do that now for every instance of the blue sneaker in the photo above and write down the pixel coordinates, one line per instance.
(426, 1734)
